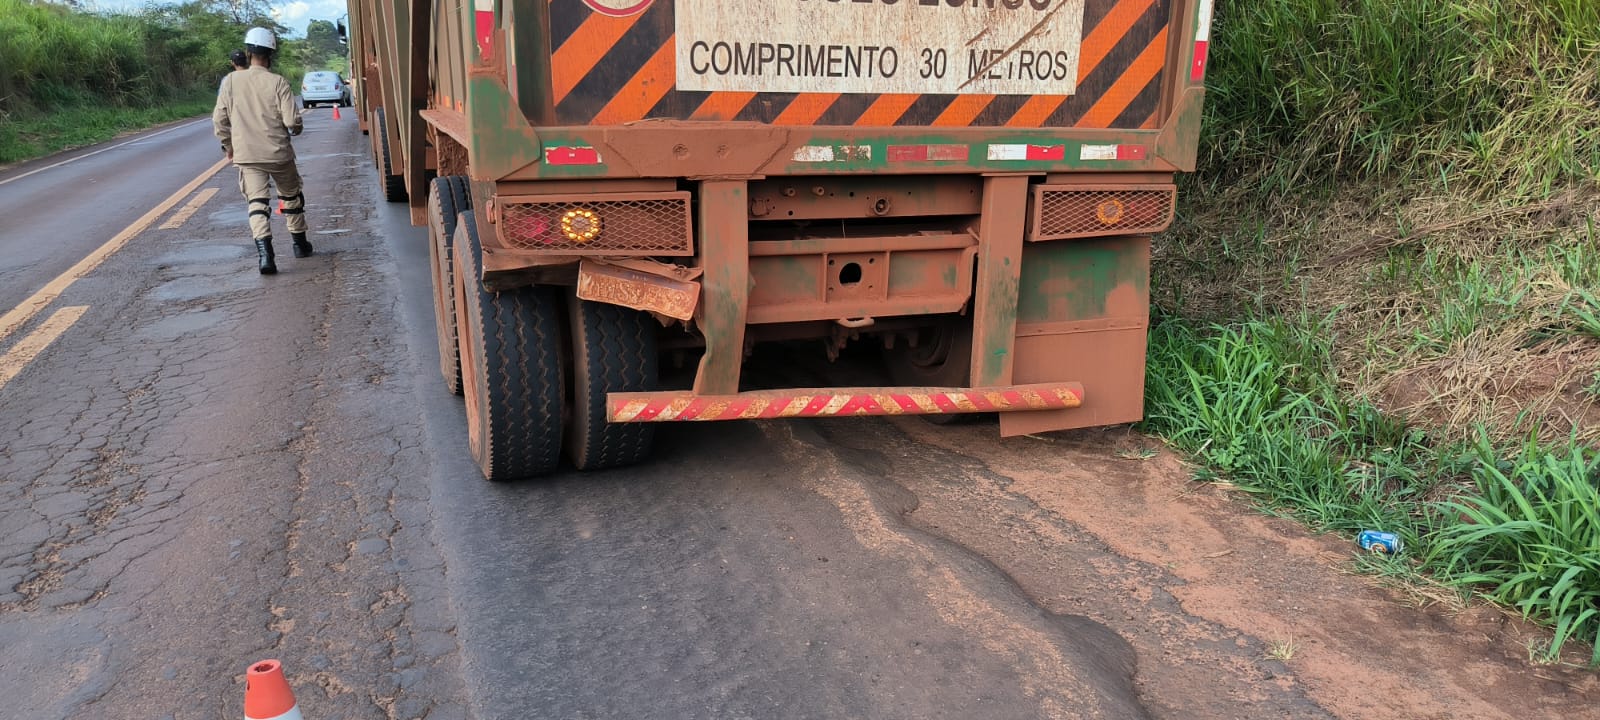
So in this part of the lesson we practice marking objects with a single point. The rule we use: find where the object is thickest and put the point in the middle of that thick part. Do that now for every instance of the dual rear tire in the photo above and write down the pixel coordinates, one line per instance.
(394, 186)
(536, 365)
(448, 198)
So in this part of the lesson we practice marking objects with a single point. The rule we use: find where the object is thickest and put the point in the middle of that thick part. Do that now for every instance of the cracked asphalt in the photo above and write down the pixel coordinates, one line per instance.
(211, 467)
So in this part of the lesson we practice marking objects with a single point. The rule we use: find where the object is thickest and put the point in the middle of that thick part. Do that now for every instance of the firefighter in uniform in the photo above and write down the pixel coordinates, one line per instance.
(254, 117)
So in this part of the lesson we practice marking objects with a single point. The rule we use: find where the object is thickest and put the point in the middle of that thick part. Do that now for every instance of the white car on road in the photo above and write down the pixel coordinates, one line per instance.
(324, 87)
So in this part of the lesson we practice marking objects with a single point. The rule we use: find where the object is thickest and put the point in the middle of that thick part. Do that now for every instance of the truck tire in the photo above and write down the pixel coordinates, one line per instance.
(394, 186)
(447, 198)
(511, 368)
(613, 350)
(942, 359)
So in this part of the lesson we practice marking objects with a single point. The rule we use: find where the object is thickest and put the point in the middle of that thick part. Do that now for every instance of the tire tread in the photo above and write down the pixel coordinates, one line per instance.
(614, 350)
(394, 186)
(517, 334)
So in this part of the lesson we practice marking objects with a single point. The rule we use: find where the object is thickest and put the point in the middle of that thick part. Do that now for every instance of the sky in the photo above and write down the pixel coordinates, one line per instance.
(294, 14)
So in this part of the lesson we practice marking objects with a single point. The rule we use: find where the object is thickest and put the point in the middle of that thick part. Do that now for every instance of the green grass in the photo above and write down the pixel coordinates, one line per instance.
(1258, 403)
(1501, 95)
(73, 127)
(1530, 537)
(70, 77)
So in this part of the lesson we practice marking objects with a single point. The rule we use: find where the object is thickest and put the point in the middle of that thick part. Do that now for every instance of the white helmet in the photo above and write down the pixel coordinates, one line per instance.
(261, 37)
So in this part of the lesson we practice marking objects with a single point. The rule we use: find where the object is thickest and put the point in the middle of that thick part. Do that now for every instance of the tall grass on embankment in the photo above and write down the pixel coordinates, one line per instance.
(69, 77)
(1258, 404)
(1380, 305)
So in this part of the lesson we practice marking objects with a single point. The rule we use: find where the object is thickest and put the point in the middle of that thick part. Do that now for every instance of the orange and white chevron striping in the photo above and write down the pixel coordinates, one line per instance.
(772, 404)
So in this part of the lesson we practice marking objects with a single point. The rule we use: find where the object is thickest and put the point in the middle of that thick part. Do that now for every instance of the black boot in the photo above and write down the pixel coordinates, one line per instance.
(301, 247)
(264, 250)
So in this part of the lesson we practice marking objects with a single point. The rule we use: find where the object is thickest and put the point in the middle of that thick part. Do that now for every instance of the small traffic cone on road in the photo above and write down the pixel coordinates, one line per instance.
(336, 112)
(267, 695)
(280, 206)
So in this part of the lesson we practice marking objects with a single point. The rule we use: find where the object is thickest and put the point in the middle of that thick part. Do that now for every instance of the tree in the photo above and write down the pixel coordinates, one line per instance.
(247, 12)
(323, 37)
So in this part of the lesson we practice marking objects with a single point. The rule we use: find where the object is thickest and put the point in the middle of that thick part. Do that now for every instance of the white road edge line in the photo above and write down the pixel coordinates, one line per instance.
(141, 138)
(35, 342)
(30, 307)
(182, 216)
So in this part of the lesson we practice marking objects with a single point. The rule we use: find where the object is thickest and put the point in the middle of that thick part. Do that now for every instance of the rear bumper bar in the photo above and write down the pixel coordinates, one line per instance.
(834, 402)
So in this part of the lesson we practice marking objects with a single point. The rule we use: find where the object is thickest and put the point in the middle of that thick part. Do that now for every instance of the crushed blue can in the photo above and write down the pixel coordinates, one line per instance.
(1378, 541)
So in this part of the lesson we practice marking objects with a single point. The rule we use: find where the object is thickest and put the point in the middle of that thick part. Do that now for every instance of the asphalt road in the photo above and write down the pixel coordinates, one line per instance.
(51, 217)
(201, 467)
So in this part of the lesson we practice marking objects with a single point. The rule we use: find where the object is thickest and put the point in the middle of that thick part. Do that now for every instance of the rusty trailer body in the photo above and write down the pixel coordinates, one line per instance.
(971, 184)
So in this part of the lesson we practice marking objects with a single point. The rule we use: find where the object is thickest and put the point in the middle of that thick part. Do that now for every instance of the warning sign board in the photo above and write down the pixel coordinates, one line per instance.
(990, 47)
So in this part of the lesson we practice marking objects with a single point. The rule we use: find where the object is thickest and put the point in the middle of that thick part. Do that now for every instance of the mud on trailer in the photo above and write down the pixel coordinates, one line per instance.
(971, 184)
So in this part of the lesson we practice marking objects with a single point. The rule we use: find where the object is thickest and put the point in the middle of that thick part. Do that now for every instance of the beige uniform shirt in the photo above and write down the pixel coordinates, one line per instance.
(255, 115)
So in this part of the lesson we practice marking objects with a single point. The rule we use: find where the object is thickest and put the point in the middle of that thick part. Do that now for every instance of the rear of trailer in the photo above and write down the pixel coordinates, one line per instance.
(610, 184)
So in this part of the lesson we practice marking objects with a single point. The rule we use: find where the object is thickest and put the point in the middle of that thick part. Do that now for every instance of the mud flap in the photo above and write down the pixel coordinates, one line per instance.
(1083, 315)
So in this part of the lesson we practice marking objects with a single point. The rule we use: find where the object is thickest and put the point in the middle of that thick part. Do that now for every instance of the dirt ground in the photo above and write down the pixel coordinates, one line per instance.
(1227, 576)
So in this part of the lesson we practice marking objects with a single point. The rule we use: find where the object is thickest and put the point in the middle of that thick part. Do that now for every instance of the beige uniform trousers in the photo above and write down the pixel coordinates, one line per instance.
(253, 183)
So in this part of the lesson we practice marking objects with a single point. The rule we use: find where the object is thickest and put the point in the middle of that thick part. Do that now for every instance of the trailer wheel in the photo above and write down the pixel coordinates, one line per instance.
(613, 350)
(394, 186)
(447, 198)
(511, 368)
(942, 358)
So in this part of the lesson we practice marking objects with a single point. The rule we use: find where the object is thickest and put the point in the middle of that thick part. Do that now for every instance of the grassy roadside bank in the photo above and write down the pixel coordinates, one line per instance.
(1380, 306)
(71, 77)
(63, 129)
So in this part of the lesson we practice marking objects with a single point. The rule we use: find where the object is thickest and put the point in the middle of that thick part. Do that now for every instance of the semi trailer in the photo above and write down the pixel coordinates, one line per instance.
(970, 185)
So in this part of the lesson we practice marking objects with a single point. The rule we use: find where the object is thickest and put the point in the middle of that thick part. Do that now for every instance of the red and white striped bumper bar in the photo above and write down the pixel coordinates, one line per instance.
(835, 402)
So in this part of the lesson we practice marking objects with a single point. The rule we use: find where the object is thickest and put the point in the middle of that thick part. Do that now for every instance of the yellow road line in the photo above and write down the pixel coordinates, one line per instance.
(35, 342)
(188, 211)
(39, 300)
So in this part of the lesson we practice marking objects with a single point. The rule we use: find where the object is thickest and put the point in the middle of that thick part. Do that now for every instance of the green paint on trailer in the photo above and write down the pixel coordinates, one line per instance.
(500, 140)
(785, 277)
(1072, 279)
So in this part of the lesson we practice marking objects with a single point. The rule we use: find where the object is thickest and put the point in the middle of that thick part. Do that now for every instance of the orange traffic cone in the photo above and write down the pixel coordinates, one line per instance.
(336, 112)
(280, 206)
(267, 695)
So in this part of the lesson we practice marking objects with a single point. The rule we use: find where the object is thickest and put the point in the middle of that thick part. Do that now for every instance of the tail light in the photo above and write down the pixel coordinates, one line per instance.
(654, 223)
(1074, 211)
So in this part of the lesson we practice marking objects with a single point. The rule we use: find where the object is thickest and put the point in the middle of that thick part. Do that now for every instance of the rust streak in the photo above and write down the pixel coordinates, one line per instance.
(1152, 122)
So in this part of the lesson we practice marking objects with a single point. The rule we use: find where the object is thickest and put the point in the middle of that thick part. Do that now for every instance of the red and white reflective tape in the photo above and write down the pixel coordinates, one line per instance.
(573, 155)
(1202, 42)
(1111, 152)
(832, 153)
(483, 16)
(927, 153)
(1027, 152)
(684, 407)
